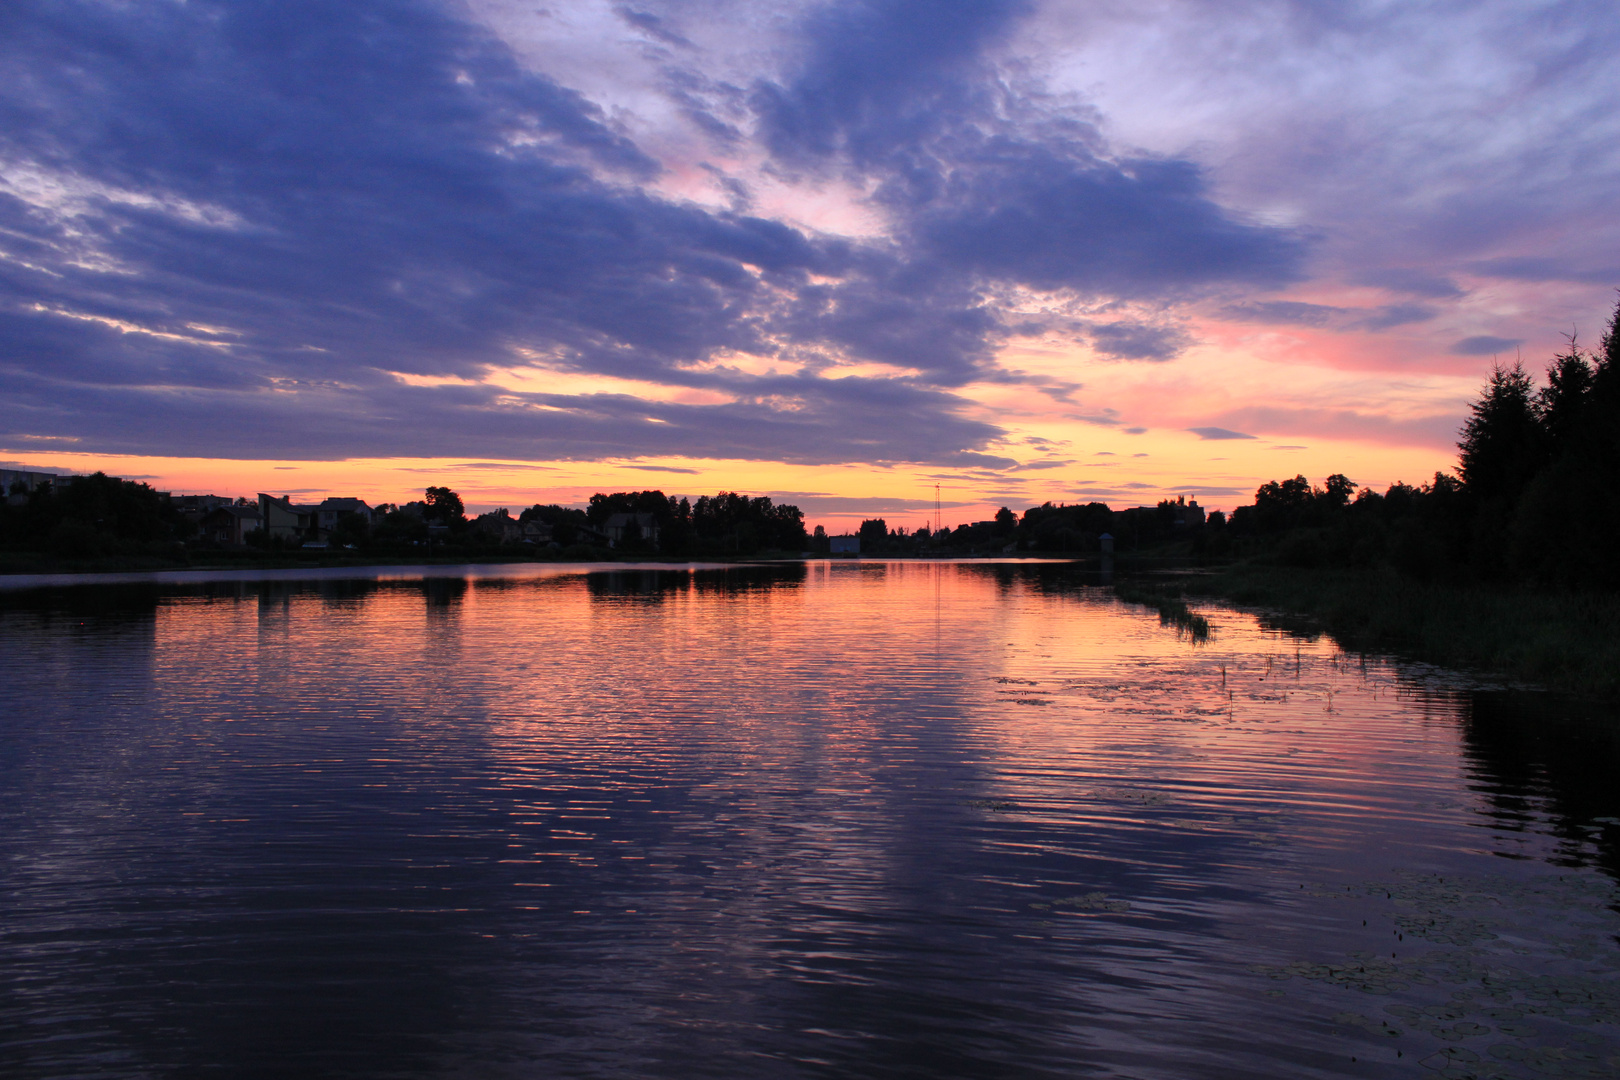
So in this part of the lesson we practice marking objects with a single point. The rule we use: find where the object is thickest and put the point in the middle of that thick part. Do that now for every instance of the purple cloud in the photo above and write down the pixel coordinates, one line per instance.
(1218, 433)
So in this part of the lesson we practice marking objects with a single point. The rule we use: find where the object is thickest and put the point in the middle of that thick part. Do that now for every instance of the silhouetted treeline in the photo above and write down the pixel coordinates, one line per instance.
(91, 516)
(1048, 529)
(722, 524)
(1533, 501)
(101, 516)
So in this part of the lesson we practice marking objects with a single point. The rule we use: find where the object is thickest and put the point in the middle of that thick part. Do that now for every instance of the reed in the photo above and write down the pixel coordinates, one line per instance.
(1566, 641)
(1173, 610)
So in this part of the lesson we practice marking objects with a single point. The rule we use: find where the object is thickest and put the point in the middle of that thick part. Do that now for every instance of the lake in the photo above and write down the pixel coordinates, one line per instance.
(848, 819)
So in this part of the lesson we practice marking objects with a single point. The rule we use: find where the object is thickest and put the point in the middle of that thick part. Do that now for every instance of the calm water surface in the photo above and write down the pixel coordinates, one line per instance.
(850, 819)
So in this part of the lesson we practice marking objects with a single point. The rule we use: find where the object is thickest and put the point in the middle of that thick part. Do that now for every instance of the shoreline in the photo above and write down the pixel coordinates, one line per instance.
(59, 576)
(1568, 643)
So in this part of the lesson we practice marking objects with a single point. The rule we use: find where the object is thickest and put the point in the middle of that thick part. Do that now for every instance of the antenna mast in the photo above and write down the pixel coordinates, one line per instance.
(936, 508)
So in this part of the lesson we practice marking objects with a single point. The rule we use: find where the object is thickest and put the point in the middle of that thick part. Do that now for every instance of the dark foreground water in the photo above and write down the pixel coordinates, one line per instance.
(849, 820)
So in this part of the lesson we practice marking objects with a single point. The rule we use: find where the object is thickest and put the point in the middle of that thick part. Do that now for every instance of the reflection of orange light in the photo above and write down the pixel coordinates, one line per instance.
(863, 694)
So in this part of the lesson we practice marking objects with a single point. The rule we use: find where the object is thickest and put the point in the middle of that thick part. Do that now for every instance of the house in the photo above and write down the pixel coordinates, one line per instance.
(195, 507)
(535, 531)
(27, 481)
(584, 534)
(286, 521)
(499, 526)
(330, 511)
(228, 526)
(627, 527)
(844, 545)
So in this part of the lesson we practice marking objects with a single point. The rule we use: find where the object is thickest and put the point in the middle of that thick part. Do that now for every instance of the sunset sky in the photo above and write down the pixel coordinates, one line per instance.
(834, 253)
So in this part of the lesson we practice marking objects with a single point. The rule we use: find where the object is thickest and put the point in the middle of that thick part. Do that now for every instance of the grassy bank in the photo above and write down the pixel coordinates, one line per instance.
(1564, 641)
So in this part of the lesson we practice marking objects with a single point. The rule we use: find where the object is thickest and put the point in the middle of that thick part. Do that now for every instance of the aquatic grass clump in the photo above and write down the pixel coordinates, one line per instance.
(1173, 610)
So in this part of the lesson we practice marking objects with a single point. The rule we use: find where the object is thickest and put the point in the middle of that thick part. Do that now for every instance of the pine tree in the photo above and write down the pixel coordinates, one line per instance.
(1502, 444)
(1562, 403)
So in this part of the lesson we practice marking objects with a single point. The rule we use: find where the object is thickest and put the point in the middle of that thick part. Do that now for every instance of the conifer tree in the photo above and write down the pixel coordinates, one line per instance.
(1501, 446)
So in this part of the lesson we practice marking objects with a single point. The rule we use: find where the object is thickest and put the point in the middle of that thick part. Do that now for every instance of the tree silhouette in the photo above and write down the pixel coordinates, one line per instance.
(1561, 405)
(1502, 441)
(444, 505)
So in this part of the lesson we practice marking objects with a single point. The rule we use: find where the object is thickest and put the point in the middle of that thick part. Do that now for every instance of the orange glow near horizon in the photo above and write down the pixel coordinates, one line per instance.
(1271, 403)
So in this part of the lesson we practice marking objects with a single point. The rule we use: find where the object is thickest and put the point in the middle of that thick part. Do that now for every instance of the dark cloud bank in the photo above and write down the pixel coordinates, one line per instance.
(229, 222)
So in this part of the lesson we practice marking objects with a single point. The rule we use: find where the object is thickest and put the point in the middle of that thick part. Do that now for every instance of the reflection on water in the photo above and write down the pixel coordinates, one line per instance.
(849, 819)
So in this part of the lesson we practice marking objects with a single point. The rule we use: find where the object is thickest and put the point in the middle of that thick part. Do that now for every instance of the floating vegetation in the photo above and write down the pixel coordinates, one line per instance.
(1091, 901)
(998, 805)
(1443, 928)
(1509, 978)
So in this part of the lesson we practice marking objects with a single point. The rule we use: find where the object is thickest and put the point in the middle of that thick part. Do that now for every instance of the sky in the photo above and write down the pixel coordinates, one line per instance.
(837, 253)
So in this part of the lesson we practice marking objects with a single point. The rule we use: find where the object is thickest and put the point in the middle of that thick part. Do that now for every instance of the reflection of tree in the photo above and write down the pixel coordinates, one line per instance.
(655, 585)
(104, 608)
(444, 592)
(1534, 749)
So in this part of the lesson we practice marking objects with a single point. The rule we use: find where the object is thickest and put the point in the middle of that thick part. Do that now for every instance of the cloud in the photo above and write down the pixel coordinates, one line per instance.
(1284, 312)
(480, 466)
(1541, 268)
(416, 202)
(663, 468)
(1218, 433)
(1000, 183)
(1392, 315)
(872, 71)
(1483, 345)
(338, 195)
(1297, 313)
(233, 229)
(1138, 341)
(1054, 217)
(1414, 282)
(1366, 425)
(651, 25)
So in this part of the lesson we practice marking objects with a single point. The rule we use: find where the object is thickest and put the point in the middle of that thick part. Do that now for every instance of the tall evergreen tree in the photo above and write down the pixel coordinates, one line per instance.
(1502, 445)
(1561, 405)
